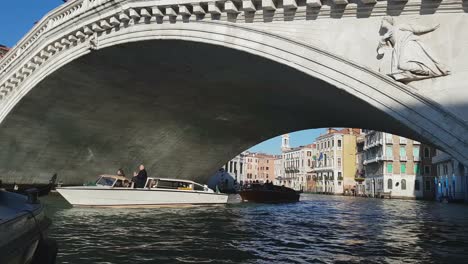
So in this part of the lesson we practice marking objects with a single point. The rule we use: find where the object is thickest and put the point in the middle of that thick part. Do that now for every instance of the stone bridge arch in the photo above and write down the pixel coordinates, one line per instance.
(75, 38)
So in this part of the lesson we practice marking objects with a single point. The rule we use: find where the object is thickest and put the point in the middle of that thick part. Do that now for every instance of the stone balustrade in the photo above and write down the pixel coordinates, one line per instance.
(134, 10)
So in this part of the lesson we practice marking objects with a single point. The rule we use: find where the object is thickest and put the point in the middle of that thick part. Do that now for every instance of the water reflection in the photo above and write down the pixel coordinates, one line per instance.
(319, 229)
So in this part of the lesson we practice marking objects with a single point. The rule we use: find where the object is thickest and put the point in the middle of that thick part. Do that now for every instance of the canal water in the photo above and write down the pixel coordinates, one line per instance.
(319, 229)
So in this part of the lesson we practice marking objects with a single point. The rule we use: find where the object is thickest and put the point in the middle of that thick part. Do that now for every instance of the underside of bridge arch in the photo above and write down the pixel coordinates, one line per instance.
(181, 108)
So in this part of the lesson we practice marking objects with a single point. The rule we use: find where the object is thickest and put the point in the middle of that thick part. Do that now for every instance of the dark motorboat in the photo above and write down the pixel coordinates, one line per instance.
(23, 230)
(269, 193)
(43, 189)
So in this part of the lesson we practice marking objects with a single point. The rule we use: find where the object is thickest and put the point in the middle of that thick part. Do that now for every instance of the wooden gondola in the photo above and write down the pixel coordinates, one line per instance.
(43, 189)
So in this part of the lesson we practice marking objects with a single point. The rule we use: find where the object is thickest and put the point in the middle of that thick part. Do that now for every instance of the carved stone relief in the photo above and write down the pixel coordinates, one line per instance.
(404, 57)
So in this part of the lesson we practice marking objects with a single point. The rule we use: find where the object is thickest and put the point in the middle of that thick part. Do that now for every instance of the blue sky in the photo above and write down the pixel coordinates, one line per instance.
(299, 138)
(18, 17)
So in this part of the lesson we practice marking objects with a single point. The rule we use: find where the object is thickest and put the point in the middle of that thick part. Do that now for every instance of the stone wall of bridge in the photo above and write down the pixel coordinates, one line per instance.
(183, 87)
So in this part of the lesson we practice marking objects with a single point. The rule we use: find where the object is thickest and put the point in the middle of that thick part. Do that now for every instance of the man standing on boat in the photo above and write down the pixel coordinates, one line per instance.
(140, 177)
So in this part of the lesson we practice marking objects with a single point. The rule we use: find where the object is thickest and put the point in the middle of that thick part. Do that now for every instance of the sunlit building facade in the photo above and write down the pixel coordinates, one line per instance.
(335, 168)
(296, 162)
(266, 167)
(251, 163)
(392, 166)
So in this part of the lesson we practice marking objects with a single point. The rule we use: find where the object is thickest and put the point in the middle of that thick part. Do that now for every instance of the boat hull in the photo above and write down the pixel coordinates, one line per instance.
(124, 197)
(23, 229)
(269, 196)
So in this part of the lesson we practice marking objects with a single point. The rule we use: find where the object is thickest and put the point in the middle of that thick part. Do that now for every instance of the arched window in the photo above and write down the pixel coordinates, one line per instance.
(403, 184)
(389, 184)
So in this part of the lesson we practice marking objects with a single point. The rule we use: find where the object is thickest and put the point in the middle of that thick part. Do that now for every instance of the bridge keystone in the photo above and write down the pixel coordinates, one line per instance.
(123, 17)
(114, 21)
(340, 2)
(105, 25)
(30, 66)
(314, 3)
(157, 12)
(231, 7)
(184, 11)
(170, 12)
(290, 4)
(65, 42)
(79, 34)
(145, 13)
(248, 5)
(268, 5)
(88, 31)
(14, 80)
(43, 55)
(51, 49)
(96, 28)
(213, 8)
(133, 14)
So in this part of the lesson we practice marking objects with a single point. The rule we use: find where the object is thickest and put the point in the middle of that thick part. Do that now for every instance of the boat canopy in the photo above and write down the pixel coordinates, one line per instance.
(110, 180)
(152, 182)
(177, 184)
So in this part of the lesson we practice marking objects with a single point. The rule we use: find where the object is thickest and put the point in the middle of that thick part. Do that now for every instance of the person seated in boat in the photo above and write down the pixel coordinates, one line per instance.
(118, 183)
(120, 172)
(268, 185)
(126, 183)
(140, 177)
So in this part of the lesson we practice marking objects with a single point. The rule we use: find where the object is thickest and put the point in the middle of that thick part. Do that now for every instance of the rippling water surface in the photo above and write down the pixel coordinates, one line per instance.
(319, 229)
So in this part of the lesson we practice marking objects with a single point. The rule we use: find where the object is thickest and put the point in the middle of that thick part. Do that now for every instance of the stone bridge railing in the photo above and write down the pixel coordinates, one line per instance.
(81, 22)
(61, 28)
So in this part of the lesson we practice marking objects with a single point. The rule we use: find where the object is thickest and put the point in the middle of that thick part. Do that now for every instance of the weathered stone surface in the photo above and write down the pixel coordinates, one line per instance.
(153, 102)
(331, 47)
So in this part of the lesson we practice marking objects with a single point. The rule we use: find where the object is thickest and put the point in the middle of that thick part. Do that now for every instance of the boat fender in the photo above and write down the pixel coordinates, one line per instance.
(46, 252)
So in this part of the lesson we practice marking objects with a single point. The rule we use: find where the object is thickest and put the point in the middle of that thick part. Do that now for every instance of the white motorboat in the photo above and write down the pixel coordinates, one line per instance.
(117, 191)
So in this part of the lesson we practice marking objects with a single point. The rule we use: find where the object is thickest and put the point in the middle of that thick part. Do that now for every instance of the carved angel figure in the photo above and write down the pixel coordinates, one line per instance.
(404, 57)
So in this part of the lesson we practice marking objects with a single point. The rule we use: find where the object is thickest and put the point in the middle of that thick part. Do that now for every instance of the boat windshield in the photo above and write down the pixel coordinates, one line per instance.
(105, 181)
(179, 185)
(199, 187)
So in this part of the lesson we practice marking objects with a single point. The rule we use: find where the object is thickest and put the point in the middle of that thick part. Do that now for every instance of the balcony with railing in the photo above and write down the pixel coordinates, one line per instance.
(373, 159)
(403, 158)
(372, 143)
(373, 156)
